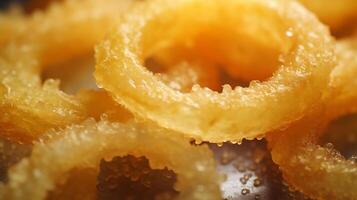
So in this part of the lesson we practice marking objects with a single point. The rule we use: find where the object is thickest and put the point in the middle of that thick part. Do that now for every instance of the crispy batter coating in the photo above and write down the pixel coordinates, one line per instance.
(11, 22)
(318, 171)
(68, 149)
(152, 64)
(67, 29)
(321, 172)
(29, 105)
(343, 85)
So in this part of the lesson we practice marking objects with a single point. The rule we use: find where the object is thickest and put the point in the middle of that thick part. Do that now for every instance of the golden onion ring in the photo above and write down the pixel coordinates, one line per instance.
(321, 172)
(204, 114)
(29, 106)
(68, 149)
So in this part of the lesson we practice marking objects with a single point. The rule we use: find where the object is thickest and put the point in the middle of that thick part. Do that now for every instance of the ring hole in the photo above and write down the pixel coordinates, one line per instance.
(226, 47)
(341, 134)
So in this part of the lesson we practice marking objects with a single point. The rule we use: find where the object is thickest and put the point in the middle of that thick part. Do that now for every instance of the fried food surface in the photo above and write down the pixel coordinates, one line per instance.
(31, 105)
(66, 150)
(340, 15)
(296, 149)
(302, 161)
(67, 29)
(343, 82)
(238, 112)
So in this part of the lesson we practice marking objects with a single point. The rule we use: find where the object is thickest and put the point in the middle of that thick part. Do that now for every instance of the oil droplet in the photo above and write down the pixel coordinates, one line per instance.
(289, 33)
(257, 197)
(247, 176)
(243, 180)
(257, 182)
(245, 191)
(198, 141)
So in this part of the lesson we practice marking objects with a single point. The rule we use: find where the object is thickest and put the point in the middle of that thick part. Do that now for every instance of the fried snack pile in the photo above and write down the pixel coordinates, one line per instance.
(171, 77)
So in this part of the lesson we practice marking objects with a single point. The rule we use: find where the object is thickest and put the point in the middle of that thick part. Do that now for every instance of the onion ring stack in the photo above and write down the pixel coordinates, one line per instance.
(166, 67)
(21, 82)
(42, 105)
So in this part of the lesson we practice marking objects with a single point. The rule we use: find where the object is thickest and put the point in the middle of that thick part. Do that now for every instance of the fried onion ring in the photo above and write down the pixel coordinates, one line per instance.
(202, 113)
(86, 103)
(68, 149)
(321, 172)
(29, 106)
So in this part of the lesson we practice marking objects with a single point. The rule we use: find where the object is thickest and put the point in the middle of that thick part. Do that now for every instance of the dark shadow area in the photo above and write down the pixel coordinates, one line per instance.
(132, 178)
